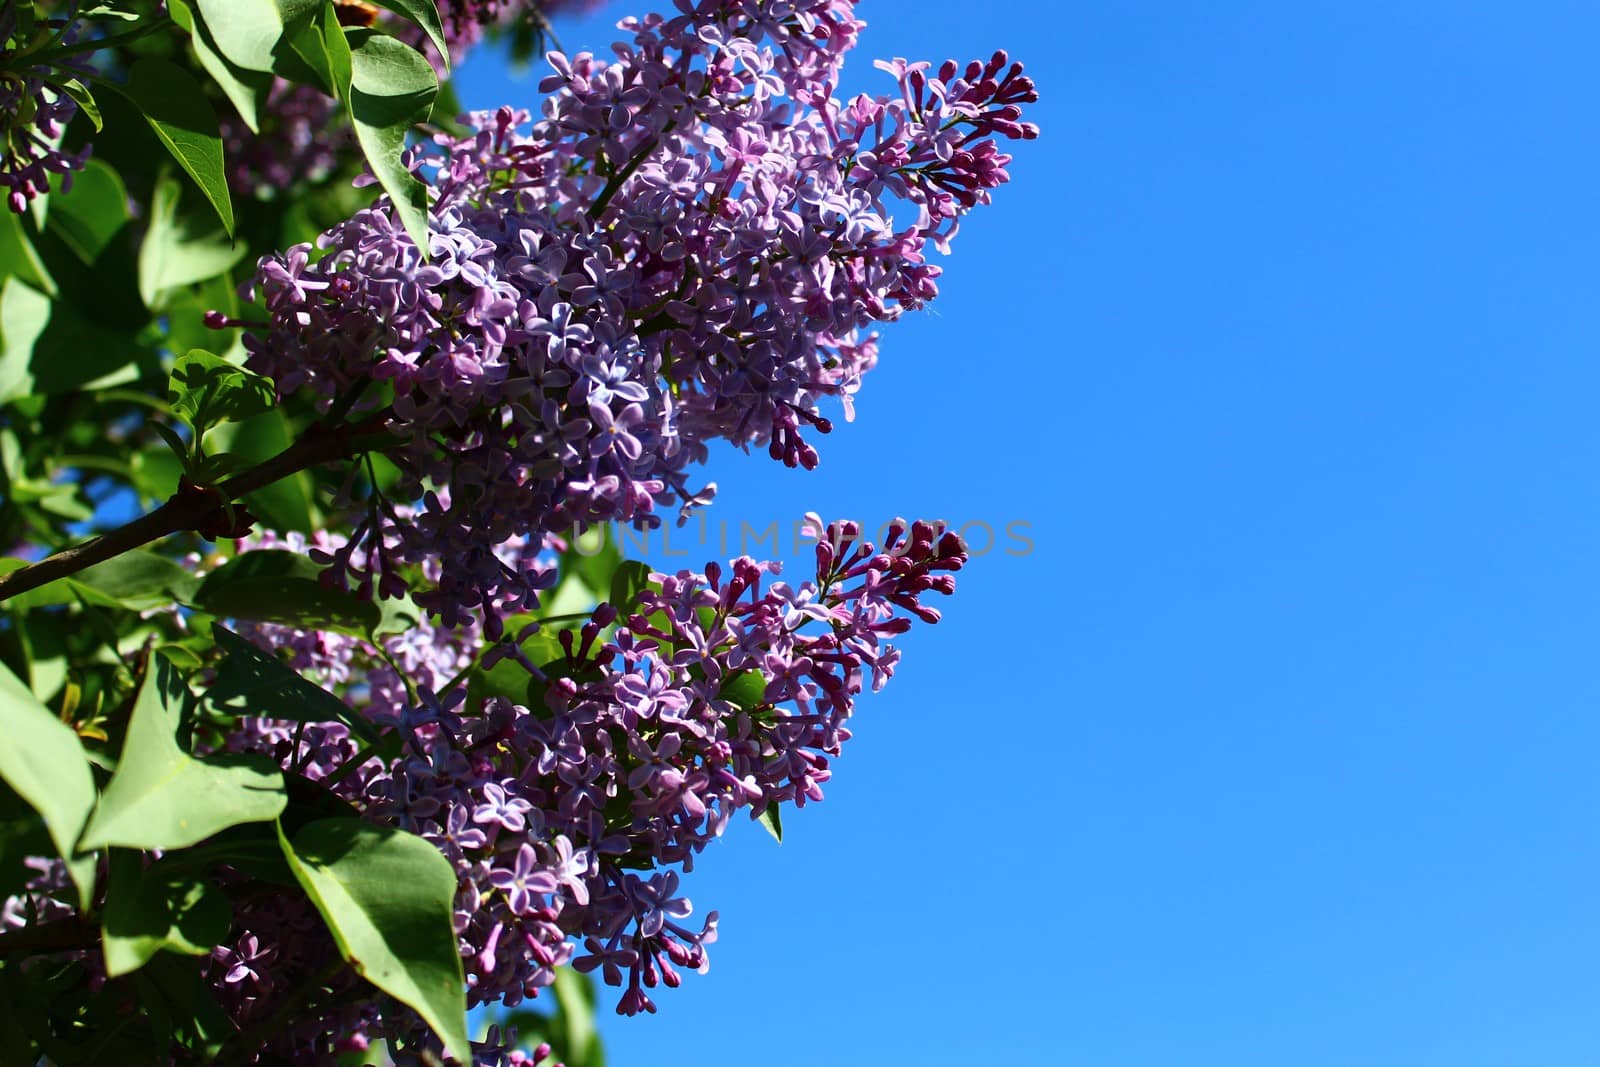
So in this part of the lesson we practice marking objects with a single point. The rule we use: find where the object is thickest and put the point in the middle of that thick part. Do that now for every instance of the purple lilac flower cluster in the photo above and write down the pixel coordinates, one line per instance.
(302, 140)
(34, 111)
(687, 246)
(571, 818)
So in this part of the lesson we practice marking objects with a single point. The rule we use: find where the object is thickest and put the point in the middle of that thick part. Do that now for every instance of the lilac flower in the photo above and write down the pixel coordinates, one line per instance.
(508, 812)
(523, 881)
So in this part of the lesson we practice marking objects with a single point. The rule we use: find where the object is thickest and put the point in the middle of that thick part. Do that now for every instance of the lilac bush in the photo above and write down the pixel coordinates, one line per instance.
(690, 240)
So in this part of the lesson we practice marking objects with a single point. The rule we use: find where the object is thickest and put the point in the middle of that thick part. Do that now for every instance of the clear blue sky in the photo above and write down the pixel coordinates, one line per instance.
(1281, 747)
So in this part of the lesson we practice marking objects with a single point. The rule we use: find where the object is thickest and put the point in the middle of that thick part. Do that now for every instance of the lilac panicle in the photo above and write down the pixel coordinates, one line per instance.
(691, 243)
(572, 820)
(34, 111)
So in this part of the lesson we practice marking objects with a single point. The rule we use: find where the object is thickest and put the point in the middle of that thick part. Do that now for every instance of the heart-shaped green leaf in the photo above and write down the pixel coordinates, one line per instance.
(392, 89)
(388, 898)
(162, 797)
(175, 105)
(148, 910)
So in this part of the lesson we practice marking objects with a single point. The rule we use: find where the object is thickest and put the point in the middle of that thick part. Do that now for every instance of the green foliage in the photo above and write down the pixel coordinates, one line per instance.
(387, 897)
(120, 681)
(162, 797)
(160, 907)
(569, 1028)
(178, 250)
(206, 389)
(286, 587)
(747, 689)
(133, 581)
(175, 107)
(42, 761)
(771, 818)
(392, 88)
(250, 682)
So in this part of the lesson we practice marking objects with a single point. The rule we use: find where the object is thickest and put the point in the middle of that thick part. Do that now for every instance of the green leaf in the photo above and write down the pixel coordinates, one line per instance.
(388, 898)
(250, 32)
(19, 258)
(392, 89)
(284, 587)
(245, 89)
(338, 48)
(304, 57)
(51, 348)
(22, 834)
(175, 105)
(85, 100)
(251, 682)
(187, 997)
(41, 759)
(148, 910)
(133, 581)
(206, 389)
(772, 818)
(746, 689)
(579, 1041)
(173, 253)
(136, 580)
(629, 580)
(593, 557)
(160, 796)
(424, 13)
(89, 217)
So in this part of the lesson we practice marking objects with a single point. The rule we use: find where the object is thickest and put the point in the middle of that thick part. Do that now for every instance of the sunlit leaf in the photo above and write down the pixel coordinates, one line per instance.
(43, 761)
(160, 796)
(388, 898)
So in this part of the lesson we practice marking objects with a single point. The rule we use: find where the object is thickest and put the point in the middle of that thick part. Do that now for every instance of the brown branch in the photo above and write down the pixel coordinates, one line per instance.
(188, 509)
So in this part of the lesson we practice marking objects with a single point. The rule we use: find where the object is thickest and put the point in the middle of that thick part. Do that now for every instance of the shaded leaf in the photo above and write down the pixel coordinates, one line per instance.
(173, 253)
(245, 89)
(629, 580)
(89, 217)
(148, 910)
(206, 389)
(251, 681)
(284, 587)
(19, 259)
(133, 581)
(288, 503)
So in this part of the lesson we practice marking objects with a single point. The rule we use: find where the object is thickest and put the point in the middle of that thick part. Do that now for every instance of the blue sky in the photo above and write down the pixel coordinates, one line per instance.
(1280, 747)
